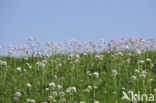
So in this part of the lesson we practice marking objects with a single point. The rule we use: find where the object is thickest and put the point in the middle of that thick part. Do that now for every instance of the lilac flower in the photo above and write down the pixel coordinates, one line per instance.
(18, 68)
(17, 95)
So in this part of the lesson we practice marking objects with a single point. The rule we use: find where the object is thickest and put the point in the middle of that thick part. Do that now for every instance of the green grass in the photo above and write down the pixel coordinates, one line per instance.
(74, 74)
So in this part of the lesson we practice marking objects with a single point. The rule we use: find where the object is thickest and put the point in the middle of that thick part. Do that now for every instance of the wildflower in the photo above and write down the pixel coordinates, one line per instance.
(28, 85)
(25, 70)
(18, 68)
(144, 72)
(136, 71)
(60, 65)
(97, 56)
(76, 61)
(50, 97)
(32, 101)
(138, 52)
(54, 93)
(114, 92)
(59, 87)
(114, 72)
(44, 102)
(130, 54)
(47, 89)
(62, 100)
(133, 77)
(77, 56)
(82, 102)
(17, 95)
(28, 100)
(52, 84)
(143, 75)
(96, 101)
(41, 64)
(150, 80)
(88, 72)
(149, 60)
(62, 93)
(71, 89)
(95, 87)
(123, 88)
(129, 92)
(89, 87)
(155, 90)
(96, 74)
(30, 67)
(55, 76)
(62, 78)
(119, 53)
(151, 65)
(141, 61)
(26, 58)
(4, 63)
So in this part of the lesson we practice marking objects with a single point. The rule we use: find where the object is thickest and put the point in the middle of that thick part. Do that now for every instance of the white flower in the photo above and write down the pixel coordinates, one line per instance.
(143, 75)
(41, 64)
(95, 87)
(59, 87)
(89, 87)
(151, 65)
(77, 56)
(136, 71)
(28, 100)
(76, 61)
(18, 68)
(28, 85)
(44, 102)
(30, 67)
(4, 63)
(155, 90)
(96, 101)
(60, 65)
(97, 56)
(52, 84)
(26, 58)
(96, 74)
(150, 80)
(138, 52)
(71, 89)
(148, 59)
(54, 93)
(17, 94)
(62, 93)
(33, 101)
(119, 53)
(114, 72)
(144, 72)
(51, 97)
(130, 92)
(25, 70)
(82, 102)
(141, 61)
(47, 89)
(133, 77)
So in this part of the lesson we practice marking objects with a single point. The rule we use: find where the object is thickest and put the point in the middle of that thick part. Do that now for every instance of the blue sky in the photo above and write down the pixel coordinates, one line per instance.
(61, 20)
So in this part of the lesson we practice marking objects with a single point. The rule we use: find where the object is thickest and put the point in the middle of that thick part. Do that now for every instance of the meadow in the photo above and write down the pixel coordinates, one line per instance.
(79, 72)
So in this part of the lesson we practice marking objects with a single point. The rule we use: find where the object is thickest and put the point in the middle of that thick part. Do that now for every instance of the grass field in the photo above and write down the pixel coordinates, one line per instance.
(78, 77)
